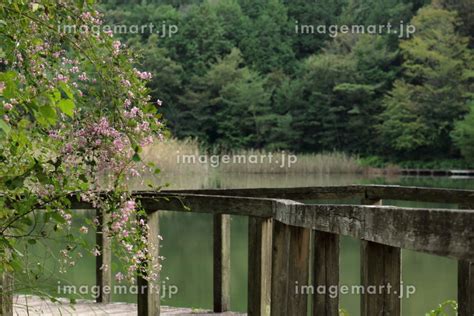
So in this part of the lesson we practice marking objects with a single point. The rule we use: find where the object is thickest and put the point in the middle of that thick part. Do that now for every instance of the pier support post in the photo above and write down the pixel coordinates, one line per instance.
(221, 263)
(148, 300)
(260, 268)
(325, 272)
(380, 271)
(290, 270)
(465, 281)
(104, 259)
(6, 294)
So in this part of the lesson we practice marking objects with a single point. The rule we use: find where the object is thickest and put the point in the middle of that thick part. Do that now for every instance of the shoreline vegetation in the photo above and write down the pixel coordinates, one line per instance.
(190, 156)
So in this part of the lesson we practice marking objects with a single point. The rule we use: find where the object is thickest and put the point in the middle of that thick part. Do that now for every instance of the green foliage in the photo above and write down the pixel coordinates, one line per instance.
(66, 119)
(367, 94)
(422, 107)
(444, 309)
(463, 135)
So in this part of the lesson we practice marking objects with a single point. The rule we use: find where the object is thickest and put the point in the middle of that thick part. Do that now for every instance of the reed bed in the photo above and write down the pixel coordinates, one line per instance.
(187, 156)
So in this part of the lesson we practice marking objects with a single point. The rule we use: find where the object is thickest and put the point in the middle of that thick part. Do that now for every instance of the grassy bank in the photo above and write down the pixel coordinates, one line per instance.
(187, 156)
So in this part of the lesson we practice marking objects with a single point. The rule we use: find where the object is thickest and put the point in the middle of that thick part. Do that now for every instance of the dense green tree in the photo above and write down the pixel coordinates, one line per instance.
(229, 106)
(465, 10)
(339, 94)
(268, 43)
(301, 13)
(422, 107)
(463, 135)
(166, 83)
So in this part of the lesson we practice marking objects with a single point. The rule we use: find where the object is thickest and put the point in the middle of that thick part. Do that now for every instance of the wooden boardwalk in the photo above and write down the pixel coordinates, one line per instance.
(32, 305)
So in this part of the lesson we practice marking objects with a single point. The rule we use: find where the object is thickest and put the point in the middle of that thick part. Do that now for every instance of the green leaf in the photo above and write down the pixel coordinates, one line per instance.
(67, 107)
(49, 114)
(5, 127)
(32, 241)
(136, 157)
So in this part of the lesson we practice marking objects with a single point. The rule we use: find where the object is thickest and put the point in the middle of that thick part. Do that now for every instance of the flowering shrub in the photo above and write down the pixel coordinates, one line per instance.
(74, 117)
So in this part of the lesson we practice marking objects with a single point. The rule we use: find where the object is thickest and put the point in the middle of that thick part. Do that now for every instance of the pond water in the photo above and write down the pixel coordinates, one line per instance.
(187, 247)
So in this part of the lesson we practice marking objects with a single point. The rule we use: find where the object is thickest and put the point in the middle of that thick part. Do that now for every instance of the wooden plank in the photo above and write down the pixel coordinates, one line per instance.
(104, 260)
(298, 270)
(465, 288)
(280, 269)
(380, 278)
(443, 232)
(259, 267)
(466, 280)
(200, 203)
(148, 300)
(221, 263)
(325, 272)
(392, 192)
(6, 294)
(419, 194)
(295, 193)
(290, 270)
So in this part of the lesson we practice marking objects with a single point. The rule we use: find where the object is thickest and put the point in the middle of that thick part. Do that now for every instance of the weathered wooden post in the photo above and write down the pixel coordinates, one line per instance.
(290, 269)
(148, 300)
(104, 259)
(380, 270)
(221, 263)
(6, 294)
(325, 272)
(260, 268)
(466, 280)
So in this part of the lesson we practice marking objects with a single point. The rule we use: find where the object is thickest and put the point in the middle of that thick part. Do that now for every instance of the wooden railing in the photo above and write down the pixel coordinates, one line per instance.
(288, 239)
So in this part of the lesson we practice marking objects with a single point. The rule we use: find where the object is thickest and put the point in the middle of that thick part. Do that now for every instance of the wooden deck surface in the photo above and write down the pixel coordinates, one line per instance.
(32, 305)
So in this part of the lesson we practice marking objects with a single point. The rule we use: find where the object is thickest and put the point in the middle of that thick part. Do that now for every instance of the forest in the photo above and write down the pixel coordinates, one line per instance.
(237, 74)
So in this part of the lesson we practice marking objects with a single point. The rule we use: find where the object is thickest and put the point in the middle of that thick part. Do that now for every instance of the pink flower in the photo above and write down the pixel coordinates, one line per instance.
(143, 75)
(2, 86)
(62, 78)
(119, 277)
(116, 47)
(134, 112)
(8, 106)
(84, 230)
(95, 252)
(159, 102)
(83, 76)
(118, 144)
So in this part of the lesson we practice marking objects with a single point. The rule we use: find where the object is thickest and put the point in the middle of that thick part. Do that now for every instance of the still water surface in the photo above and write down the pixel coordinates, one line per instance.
(187, 247)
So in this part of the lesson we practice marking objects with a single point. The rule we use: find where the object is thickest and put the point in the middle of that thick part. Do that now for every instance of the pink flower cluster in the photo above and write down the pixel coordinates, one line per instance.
(143, 74)
(119, 221)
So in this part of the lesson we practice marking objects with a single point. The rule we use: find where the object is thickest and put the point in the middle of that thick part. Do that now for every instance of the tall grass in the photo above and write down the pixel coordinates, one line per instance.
(165, 155)
(169, 156)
